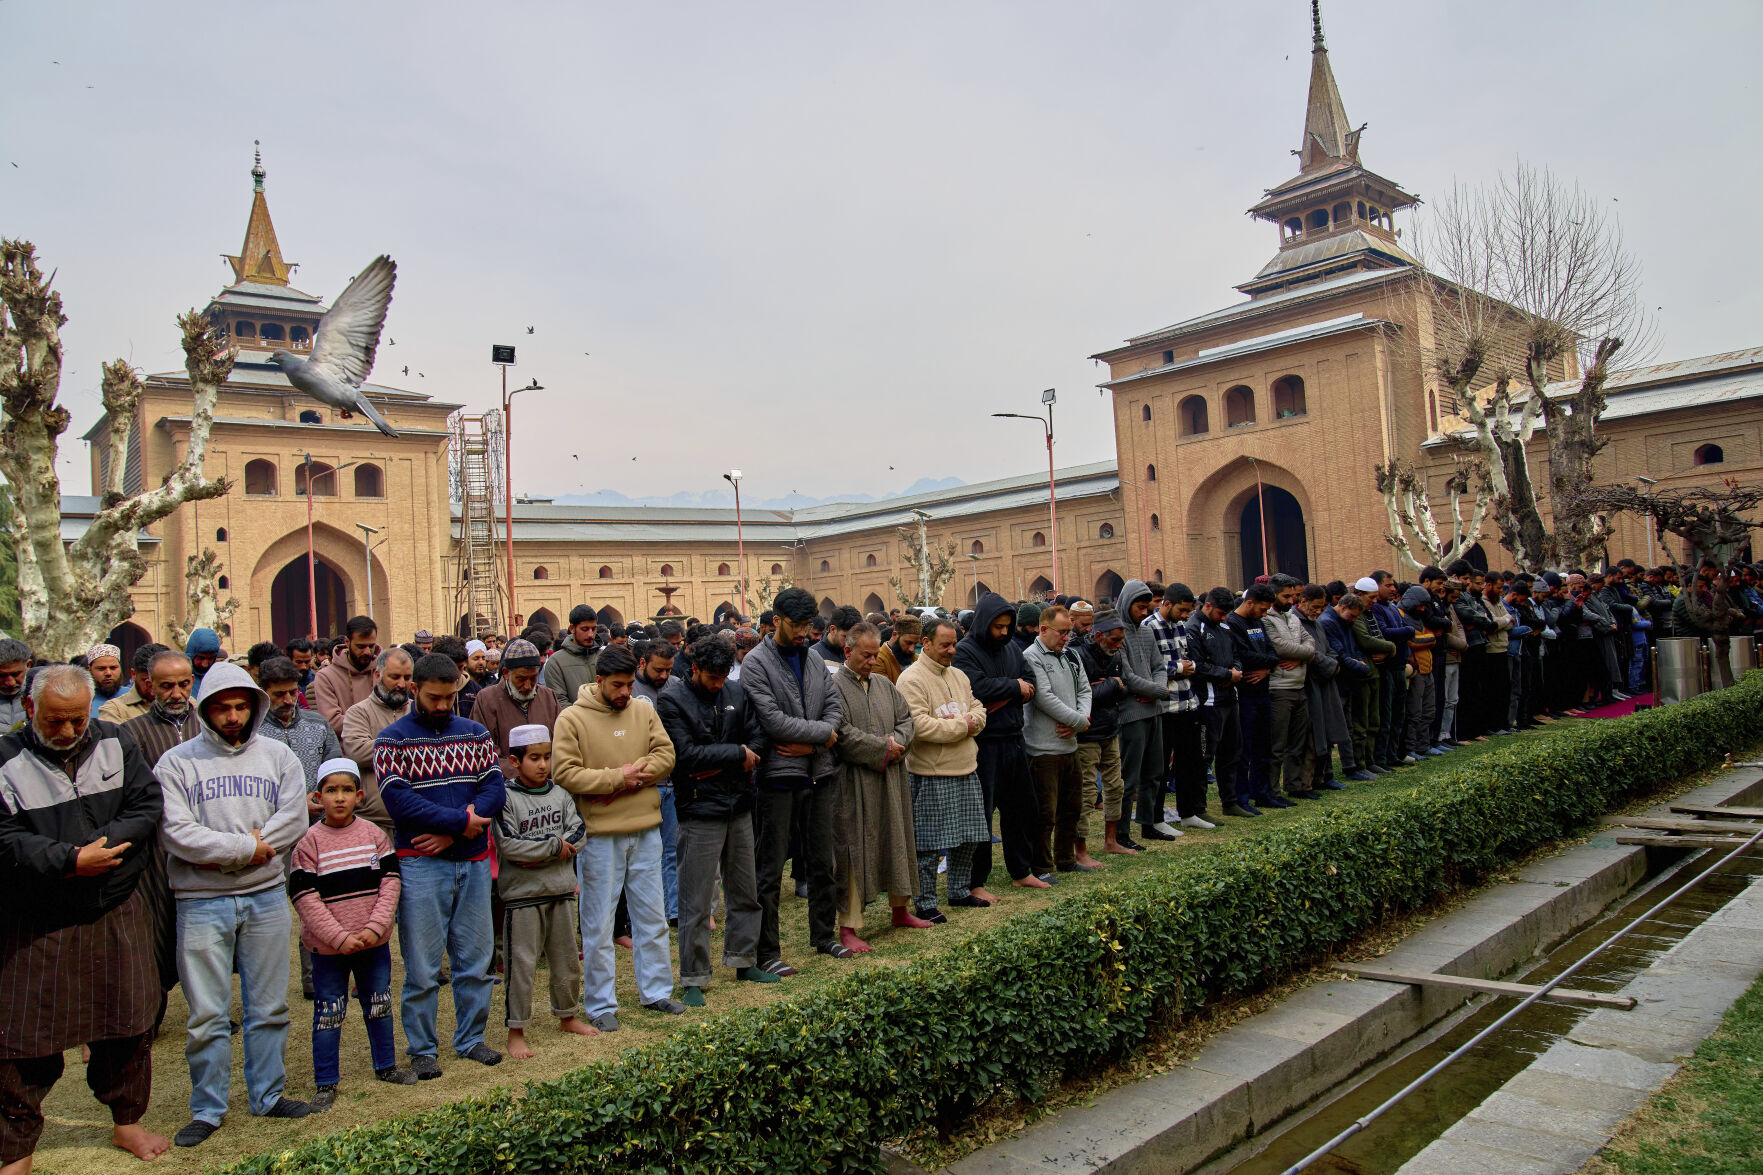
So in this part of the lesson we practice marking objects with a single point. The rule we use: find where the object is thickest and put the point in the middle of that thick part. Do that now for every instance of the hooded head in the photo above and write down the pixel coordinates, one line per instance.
(217, 716)
(1416, 597)
(202, 648)
(991, 606)
(1131, 593)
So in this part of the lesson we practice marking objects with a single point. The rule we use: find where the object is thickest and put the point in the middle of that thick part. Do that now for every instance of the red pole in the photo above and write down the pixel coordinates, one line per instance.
(507, 488)
(311, 573)
(1052, 502)
(740, 548)
(1261, 504)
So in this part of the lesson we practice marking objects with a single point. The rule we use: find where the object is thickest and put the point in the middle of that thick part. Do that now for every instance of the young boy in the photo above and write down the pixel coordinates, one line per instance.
(537, 834)
(345, 885)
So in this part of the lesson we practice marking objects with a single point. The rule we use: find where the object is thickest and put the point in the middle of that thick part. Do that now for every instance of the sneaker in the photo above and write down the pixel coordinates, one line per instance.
(425, 1068)
(1171, 815)
(195, 1134)
(605, 1021)
(1361, 776)
(1167, 829)
(395, 1076)
(1155, 832)
(669, 1007)
(324, 1099)
(1238, 810)
(1433, 752)
(1197, 822)
(288, 1108)
(482, 1053)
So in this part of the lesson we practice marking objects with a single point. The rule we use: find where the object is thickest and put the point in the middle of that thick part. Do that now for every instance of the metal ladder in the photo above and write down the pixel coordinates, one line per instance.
(476, 450)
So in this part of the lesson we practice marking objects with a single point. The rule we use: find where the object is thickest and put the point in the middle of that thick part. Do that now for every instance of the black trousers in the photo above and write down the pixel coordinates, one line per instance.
(120, 1074)
(1184, 743)
(1472, 693)
(777, 808)
(1141, 770)
(1224, 747)
(1005, 783)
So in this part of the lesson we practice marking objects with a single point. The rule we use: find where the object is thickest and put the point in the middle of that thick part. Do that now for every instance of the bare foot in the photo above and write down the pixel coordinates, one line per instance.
(1030, 882)
(713, 922)
(517, 1046)
(980, 891)
(571, 1024)
(849, 940)
(85, 1054)
(138, 1142)
(1112, 847)
(908, 920)
(1086, 859)
(624, 940)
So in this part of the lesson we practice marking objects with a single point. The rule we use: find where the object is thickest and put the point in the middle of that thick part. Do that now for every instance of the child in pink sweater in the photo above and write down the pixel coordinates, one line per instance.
(345, 885)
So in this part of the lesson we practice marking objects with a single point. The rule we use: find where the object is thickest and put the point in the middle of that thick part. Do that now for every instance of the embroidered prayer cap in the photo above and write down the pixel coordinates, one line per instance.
(97, 651)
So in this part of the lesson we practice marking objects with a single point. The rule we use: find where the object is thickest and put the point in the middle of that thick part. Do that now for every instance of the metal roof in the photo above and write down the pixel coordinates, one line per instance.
(266, 422)
(250, 375)
(1331, 248)
(1284, 338)
(77, 511)
(1260, 305)
(260, 298)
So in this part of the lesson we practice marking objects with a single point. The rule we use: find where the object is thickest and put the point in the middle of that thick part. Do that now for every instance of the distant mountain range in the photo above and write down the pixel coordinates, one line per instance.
(710, 499)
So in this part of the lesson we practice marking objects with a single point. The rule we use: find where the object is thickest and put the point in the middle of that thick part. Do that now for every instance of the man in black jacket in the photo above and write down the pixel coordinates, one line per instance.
(79, 818)
(994, 665)
(1254, 706)
(1216, 674)
(717, 745)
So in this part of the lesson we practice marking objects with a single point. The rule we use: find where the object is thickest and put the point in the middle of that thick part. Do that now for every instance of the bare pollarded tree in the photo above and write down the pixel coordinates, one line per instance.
(1412, 520)
(1713, 521)
(1529, 284)
(72, 594)
(932, 565)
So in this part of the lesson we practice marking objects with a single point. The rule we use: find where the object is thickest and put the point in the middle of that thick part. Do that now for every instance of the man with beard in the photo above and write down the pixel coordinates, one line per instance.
(608, 753)
(362, 723)
(572, 665)
(517, 699)
(15, 662)
(138, 698)
(1289, 703)
(440, 778)
(993, 663)
(104, 663)
(349, 676)
(300, 652)
(79, 816)
(658, 660)
(948, 816)
(233, 803)
(477, 664)
(900, 652)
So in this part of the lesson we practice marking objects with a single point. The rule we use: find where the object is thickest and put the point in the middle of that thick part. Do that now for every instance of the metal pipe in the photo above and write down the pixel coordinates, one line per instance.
(507, 490)
(1298, 1167)
(1261, 507)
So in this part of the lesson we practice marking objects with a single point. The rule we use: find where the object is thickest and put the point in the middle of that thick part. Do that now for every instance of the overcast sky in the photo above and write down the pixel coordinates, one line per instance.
(814, 240)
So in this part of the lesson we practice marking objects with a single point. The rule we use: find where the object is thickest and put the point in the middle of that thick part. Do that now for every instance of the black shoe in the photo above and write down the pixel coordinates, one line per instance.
(931, 915)
(1048, 878)
(393, 1075)
(1076, 867)
(969, 900)
(425, 1068)
(1330, 785)
(482, 1053)
(195, 1134)
(1149, 832)
(1239, 810)
(1127, 842)
(801, 889)
(288, 1108)
(1275, 802)
(1249, 807)
(1303, 795)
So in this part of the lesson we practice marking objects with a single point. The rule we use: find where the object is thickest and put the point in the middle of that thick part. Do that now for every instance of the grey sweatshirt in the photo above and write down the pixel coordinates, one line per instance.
(1285, 633)
(216, 793)
(1062, 696)
(1143, 668)
(531, 829)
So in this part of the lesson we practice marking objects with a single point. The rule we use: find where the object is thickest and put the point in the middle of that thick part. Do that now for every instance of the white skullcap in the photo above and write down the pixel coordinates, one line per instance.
(1366, 585)
(526, 736)
(338, 767)
(475, 647)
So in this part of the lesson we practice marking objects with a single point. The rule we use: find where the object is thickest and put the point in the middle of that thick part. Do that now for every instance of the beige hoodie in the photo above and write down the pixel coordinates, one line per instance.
(589, 749)
(941, 743)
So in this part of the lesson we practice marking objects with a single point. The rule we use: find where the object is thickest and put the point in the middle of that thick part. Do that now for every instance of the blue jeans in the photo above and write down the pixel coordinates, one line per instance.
(444, 912)
(607, 864)
(372, 971)
(669, 852)
(214, 935)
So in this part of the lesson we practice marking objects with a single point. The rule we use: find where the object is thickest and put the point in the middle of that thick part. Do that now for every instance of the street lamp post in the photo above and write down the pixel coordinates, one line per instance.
(311, 570)
(733, 477)
(1261, 508)
(1049, 398)
(367, 533)
(503, 357)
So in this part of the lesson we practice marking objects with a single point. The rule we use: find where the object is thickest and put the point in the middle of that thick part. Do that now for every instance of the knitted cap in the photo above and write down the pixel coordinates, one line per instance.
(1029, 613)
(1107, 620)
(520, 653)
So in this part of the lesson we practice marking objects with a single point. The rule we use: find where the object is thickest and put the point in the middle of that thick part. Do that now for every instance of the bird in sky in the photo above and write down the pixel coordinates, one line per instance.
(407, 372)
(344, 343)
(529, 330)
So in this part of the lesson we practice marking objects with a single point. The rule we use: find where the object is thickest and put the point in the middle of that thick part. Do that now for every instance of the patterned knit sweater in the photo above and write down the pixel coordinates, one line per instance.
(429, 777)
(344, 880)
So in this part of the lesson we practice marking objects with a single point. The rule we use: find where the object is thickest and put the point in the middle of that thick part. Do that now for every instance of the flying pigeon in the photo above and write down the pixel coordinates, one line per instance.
(529, 330)
(343, 345)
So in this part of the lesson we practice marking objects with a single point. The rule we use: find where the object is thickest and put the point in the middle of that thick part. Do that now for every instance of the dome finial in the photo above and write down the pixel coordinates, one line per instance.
(257, 167)
(1316, 23)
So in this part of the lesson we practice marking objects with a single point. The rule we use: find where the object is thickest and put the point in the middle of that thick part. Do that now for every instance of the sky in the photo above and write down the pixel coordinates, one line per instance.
(820, 243)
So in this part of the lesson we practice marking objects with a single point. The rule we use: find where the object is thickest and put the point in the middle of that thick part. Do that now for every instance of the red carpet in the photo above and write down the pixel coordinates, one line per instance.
(1618, 709)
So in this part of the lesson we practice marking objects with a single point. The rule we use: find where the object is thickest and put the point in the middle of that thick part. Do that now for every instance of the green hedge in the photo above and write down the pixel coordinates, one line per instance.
(815, 1082)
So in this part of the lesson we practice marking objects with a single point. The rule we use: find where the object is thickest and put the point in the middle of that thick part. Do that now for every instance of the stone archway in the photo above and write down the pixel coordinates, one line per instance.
(1217, 538)
(1108, 586)
(338, 552)
(1286, 536)
(291, 593)
(128, 636)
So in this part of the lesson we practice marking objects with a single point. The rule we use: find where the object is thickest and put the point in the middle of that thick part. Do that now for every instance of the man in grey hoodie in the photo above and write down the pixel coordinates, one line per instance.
(1145, 672)
(234, 801)
(572, 665)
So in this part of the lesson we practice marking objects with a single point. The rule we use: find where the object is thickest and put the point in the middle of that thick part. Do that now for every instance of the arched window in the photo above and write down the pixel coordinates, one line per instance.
(1343, 212)
(1288, 397)
(245, 330)
(220, 535)
(1319, 218)
(1361, 210)
(269, 332)
(1156, 525)
(666, 570)
(869, 560)
(260, 478)
(1150, 473)
(777, 568)
(722, 569)
(370, 481)
(1709, 455)
(605, 572)
(311, 416)
(1040, 540)
(1158, 574)
(541, 573)
(1239, 407)
(1294, 227)
(1145, 412)
(825, 566)
(1195, 419)
(1106, 530)
(978, 548)
(324, 479)
(298, 335)
(223, 583)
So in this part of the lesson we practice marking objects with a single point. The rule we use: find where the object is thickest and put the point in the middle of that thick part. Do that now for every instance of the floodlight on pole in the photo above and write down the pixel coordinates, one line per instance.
(1048, 397)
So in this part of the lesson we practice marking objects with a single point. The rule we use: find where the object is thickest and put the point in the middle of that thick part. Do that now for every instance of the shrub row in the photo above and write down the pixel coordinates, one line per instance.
(815, 1082)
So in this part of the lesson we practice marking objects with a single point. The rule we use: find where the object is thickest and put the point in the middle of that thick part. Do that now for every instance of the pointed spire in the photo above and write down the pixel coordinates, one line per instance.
(1329, 139)
(260, 259)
